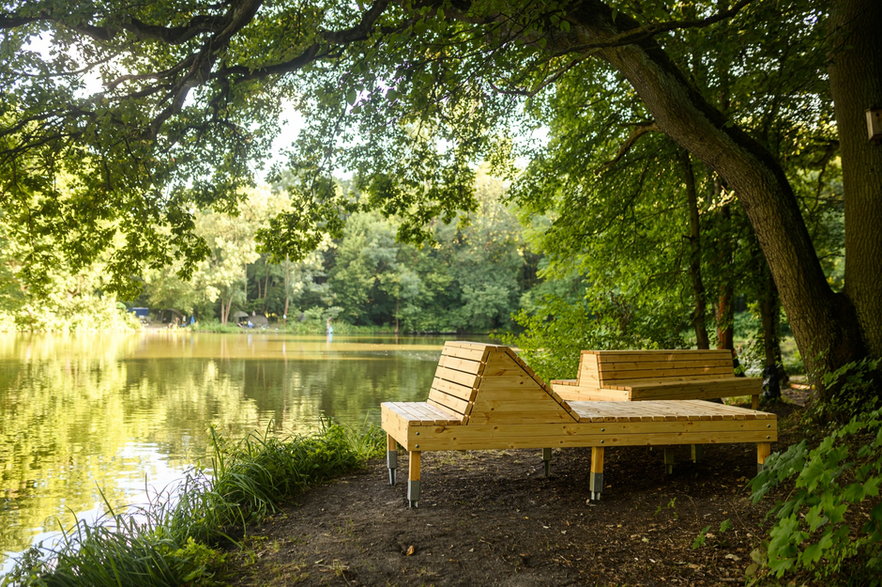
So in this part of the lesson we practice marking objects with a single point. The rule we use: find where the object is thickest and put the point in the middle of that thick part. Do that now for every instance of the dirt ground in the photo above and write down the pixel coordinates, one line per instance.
(492, 518)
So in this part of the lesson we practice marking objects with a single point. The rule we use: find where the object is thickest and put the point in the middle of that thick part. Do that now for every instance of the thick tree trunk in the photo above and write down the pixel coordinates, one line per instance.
(699, 310)
(856, 85)
(825, 326)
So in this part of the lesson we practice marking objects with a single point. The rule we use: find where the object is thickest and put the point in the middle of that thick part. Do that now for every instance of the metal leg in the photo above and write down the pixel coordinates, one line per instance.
(670, 460)
(413, 482)
(763, 450)
(546, 460)
(391, 457)
(596, 482)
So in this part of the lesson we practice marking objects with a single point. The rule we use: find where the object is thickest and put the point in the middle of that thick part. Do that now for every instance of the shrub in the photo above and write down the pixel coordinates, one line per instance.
(854, 388)
(831, 520)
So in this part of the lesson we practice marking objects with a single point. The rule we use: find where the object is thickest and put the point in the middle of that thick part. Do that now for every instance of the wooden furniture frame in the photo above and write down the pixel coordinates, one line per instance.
(485, 397)
(656, 375)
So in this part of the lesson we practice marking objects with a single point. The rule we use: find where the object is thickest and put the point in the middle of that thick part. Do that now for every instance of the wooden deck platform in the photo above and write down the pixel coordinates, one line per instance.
(502, 404)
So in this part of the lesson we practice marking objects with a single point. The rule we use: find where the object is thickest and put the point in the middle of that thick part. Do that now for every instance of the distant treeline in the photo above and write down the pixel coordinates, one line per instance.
(469, 276)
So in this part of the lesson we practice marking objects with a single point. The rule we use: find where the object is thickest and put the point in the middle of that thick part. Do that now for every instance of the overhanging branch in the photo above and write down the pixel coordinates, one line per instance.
(636, 133)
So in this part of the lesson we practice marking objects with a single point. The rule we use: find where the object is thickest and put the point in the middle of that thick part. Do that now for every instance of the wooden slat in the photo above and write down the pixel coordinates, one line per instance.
(465, 392)
(746, 382)
(472, 352)
(700, 391)
(663, 370)
(659, 352)
(447, 402)
(468, 379)
(459, 364)
(583, 394)
(636, 360)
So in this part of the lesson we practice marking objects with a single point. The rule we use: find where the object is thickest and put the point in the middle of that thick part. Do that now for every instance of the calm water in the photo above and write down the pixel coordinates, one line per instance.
(120, 412)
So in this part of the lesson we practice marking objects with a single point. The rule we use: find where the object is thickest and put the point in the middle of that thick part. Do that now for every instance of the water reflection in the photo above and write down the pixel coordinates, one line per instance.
(120, 411)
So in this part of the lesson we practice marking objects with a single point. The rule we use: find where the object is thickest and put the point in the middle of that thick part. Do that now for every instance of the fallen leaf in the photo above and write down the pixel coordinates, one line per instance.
(733, 557)
(410, 550)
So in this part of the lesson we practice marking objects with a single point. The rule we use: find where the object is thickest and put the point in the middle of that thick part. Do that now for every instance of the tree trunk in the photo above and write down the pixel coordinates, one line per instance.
(825, 325)
(226, 306)
(724, 312)
(770, 318)
(699, 311)
(856, 85)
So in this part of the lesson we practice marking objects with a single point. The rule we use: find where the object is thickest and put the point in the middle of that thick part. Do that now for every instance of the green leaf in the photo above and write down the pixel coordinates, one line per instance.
(815, 518)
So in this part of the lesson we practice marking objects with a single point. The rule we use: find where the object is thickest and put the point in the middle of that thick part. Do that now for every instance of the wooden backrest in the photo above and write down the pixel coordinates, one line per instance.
(457, 377)
(490, 384)
(607, 368)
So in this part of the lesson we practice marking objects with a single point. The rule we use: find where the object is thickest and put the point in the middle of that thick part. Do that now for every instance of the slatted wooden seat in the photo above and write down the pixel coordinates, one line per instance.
(656, 375)
(485, 397)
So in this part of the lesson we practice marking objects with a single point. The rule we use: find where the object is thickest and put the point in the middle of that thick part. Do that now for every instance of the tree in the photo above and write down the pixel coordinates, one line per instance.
(430, 82)
(222, 276)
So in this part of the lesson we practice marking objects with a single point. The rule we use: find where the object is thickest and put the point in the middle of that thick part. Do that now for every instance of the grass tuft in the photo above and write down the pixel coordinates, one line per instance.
(174, 540)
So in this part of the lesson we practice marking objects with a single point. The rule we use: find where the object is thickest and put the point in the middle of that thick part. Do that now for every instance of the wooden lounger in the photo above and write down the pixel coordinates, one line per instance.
(657, 375)
(486, 397)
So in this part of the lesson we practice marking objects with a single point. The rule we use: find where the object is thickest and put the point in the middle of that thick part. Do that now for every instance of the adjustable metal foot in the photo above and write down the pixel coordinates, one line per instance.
(413, 478)
(413, 493)
(392, 463)
(670, 461)
(763, 450)
(596, 486)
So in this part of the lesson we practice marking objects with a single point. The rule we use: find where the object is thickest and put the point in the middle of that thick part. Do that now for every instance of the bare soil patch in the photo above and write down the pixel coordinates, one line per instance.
(492, 518)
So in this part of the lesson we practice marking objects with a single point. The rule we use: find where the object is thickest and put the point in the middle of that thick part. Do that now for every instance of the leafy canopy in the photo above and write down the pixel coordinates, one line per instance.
(159, 108)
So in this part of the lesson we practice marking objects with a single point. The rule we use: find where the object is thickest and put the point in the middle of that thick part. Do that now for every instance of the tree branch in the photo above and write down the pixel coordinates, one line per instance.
(638, 131)
(641, 33)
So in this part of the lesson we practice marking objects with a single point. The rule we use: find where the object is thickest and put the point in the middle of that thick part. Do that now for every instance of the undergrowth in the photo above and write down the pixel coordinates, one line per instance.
(855, 388)
(176, 538)
(828, 527)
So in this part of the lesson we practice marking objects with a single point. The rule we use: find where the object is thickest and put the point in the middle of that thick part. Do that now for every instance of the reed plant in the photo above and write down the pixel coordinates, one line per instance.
(180, 536)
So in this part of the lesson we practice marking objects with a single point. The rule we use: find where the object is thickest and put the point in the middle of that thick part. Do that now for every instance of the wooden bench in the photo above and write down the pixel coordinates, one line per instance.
(485, 397)
(657, 375)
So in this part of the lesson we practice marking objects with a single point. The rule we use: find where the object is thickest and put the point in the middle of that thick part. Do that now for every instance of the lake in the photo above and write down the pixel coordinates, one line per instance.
(116, 413)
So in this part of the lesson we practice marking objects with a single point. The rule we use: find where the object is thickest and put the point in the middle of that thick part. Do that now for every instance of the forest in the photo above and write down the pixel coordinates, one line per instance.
(468, 279)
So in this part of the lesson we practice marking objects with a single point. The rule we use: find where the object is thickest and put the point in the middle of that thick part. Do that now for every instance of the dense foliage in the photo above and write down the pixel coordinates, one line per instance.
(468, 279)
(829, 524)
